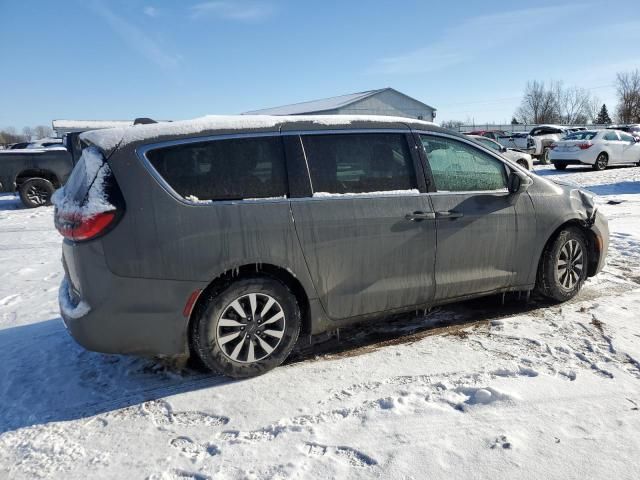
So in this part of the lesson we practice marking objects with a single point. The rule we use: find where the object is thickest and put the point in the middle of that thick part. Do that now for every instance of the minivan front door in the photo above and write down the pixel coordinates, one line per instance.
(368, 232)
(476, 219)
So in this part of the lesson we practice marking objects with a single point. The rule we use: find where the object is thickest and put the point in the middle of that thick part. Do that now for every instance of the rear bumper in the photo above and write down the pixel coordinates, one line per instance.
(111, 314)
(572, 158)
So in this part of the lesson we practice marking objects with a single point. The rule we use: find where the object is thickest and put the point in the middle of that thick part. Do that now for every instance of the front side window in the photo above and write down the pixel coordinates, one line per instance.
(233, 169)
(359, 163)
(459, 167)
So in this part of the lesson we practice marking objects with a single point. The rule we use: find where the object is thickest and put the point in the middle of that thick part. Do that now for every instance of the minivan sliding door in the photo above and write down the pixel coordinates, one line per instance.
(367, 229)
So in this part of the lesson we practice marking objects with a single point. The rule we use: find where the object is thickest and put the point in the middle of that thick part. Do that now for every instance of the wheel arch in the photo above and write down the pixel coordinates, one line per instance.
(247, 271)
(592, 244)
(28, 174)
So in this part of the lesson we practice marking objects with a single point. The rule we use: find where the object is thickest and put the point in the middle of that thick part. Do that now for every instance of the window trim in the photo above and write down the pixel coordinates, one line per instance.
(143, 150)
(471, 143)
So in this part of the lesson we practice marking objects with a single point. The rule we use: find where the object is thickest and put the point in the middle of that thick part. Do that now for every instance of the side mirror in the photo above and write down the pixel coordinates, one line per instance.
(518, 182)
(636, 139)
(503, 149)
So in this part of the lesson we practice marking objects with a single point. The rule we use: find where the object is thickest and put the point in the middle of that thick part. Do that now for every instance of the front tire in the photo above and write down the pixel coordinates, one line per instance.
(601, 162)
(523, 163)
(248, 328)
(563, 266)
(36, 192)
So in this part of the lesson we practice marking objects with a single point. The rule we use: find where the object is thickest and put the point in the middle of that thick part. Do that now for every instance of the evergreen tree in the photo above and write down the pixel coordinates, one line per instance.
(514, 121)
(603, 117)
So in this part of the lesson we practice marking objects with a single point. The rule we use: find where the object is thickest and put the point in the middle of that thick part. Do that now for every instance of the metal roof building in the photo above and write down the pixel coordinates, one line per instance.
(384, 101)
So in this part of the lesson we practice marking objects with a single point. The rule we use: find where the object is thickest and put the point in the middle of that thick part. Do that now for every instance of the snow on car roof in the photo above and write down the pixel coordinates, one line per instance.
(109, 138)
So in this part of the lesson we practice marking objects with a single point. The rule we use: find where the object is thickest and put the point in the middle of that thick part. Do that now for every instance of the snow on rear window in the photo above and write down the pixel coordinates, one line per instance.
(84, 193)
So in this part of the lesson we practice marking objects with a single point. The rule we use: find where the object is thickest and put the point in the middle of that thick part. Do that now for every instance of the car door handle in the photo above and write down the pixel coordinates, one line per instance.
(419, 216)
(449, 214)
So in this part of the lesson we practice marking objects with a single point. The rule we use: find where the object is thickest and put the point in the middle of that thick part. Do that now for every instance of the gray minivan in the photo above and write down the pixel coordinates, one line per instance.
(229, 237)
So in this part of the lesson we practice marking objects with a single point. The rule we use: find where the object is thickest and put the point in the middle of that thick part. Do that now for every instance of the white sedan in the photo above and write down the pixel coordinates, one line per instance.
(598, 148)
(521, 158)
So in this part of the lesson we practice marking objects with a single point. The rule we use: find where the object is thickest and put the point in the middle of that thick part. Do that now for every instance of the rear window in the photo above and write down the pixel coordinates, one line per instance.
(581, 136)
(233, 169)
(359, 163)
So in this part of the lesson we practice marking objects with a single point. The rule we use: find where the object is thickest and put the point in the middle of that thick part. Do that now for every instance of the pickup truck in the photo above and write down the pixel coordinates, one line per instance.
(35, 173)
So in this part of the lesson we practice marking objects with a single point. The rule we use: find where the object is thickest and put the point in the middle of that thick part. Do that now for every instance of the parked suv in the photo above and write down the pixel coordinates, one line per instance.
(229, 237)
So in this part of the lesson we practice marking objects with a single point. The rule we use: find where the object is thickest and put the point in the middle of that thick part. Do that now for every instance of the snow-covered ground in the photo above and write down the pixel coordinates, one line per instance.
(476, 390)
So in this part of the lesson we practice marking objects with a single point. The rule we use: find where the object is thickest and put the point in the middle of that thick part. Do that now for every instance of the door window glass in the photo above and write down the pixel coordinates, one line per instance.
(459, 167)
(611, 136)
(359, 163)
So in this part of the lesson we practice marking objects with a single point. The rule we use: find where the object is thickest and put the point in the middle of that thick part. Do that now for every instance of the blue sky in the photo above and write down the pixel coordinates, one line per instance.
(118, 59)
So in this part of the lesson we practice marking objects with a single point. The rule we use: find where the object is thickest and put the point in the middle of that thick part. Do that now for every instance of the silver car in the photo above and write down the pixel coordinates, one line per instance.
(229, 238)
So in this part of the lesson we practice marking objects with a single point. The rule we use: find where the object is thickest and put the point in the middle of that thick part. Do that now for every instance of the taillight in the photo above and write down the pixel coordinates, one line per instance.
(553, 145)
(584, 146)
(79, 227)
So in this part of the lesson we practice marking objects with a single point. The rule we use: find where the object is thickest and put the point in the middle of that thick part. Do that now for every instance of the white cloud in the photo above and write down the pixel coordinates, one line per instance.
(150, 11)
(134, 37)
(471, 38)
(239, 11)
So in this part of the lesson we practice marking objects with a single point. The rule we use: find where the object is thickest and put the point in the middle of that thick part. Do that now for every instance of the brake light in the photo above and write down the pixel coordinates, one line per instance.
(584, 146)
(78, 227)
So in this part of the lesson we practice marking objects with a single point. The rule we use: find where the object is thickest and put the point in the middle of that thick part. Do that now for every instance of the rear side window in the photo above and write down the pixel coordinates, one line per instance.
(611, 136)
(359, 163)
(458, 167)
(233, 169)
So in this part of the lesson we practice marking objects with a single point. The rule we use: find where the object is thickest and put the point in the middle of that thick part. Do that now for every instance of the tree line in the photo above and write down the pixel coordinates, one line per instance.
(556, 103)
(10, 135)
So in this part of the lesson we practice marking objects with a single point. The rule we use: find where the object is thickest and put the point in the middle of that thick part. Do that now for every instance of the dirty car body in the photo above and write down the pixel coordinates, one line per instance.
(347, 219)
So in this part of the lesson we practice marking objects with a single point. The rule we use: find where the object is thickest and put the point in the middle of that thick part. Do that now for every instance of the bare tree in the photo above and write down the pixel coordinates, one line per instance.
(573, 104)
(42, 131)
(594, 108)
(28, 133)
(539, 104)
(628, 88)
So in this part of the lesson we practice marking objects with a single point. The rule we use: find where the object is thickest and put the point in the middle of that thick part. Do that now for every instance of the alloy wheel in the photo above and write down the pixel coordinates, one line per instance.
(250, 328)
(37, 195)
(570, 264)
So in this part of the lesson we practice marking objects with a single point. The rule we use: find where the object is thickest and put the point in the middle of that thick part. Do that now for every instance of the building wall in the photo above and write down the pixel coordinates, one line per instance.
(388, 103)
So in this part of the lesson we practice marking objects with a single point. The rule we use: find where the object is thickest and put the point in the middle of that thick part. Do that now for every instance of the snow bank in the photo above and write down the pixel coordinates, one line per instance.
(108, 139)
(91, 170)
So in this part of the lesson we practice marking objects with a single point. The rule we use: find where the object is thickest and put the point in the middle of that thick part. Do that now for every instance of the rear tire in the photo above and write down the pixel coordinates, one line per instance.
(560, 166)
(36, 192)
(544, 158)
(246, 346)
(601, 162)
(563, 266)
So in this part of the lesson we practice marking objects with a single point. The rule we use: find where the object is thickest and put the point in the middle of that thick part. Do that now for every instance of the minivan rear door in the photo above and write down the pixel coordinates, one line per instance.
(366, 227)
